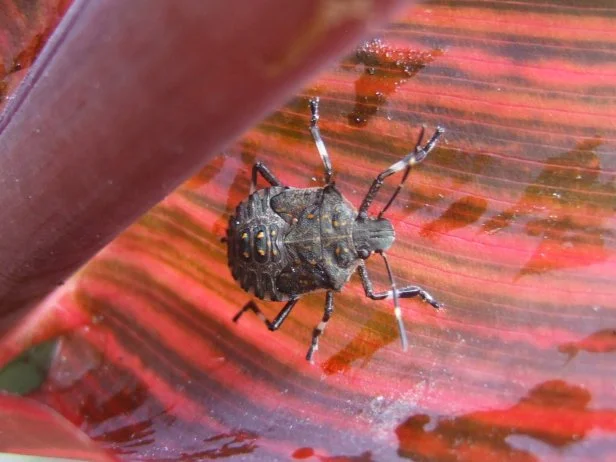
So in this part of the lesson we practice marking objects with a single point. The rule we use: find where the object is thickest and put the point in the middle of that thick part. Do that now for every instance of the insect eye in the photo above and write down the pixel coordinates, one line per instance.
(363, 253)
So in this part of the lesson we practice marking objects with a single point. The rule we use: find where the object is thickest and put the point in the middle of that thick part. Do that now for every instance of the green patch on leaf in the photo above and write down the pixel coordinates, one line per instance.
(27, 371)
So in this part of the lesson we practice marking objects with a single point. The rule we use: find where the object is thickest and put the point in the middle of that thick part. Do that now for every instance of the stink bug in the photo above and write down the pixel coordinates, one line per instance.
(284, 242)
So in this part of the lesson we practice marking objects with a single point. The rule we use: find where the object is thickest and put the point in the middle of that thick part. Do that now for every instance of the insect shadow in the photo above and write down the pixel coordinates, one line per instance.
(285, 242)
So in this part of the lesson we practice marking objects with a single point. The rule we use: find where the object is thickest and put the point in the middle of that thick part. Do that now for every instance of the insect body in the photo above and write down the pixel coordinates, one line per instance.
(284, 242)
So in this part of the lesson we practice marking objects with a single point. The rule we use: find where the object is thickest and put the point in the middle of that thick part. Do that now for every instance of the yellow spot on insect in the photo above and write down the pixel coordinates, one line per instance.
(310, 216)
(260, 235)
(245, 254)
(273, 233)
(261, 252)
(335, 223)
(245, 236)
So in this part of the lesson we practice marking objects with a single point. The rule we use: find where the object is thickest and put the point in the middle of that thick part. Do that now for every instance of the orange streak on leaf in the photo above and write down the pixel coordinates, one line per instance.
(509, 222)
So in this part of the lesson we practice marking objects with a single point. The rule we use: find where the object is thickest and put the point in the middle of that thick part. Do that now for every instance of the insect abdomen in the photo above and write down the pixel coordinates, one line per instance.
(258, 244)
(256, 252)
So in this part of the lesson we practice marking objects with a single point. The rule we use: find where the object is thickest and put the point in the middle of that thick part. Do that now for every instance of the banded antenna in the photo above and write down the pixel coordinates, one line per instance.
(418, 154)
(411, 159)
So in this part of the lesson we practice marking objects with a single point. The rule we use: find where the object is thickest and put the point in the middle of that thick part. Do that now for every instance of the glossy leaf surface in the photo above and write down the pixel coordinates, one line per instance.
(509, 223)
(32, 431)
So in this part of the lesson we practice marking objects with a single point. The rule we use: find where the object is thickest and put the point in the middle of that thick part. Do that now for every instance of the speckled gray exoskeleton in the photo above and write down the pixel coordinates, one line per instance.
(284, 242)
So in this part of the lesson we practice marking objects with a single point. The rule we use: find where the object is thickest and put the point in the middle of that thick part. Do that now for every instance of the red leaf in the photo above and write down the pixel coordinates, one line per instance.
(508, 222)
(29, 428)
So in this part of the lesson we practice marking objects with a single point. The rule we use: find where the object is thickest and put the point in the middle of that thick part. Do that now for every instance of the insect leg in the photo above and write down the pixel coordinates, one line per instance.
(403, 292)
(411, 159)
(316, 135)
(260, 167)
(271, 325)
(318, 331)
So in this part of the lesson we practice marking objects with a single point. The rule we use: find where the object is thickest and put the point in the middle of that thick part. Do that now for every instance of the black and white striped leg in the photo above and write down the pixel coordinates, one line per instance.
(316, 135)
(260, 167)
(271, 325)
(404, 292)
(318, 331)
